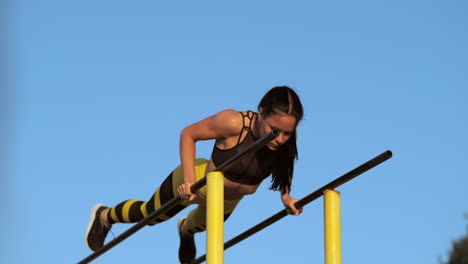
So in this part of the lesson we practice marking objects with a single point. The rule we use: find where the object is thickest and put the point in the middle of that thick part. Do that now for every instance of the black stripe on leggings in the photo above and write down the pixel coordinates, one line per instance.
(165, 191)
(118, 211)
(166, 194)
(134, 213)
(167, 184)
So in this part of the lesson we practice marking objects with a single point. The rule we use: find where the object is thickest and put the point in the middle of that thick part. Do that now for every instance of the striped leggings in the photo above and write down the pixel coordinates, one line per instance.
(132, 211)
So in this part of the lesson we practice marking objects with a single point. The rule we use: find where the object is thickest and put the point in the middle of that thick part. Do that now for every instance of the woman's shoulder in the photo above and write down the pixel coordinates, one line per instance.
(230, 120)
(231, 115)
(237, 113)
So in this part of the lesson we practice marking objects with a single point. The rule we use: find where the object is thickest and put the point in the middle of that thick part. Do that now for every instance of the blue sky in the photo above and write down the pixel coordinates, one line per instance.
(101, 90)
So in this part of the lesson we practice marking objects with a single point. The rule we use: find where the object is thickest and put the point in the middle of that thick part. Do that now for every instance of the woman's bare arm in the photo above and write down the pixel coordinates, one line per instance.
(223, 126)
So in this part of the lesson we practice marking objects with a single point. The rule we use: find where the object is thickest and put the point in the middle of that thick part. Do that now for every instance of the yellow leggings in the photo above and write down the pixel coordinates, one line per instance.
(132, 211)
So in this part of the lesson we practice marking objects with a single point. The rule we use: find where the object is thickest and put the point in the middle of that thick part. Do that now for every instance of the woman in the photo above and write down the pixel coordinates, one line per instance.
(233, 131)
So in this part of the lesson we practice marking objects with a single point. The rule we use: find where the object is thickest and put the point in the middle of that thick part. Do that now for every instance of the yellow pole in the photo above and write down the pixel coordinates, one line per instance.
(332, 227)
(215, 218)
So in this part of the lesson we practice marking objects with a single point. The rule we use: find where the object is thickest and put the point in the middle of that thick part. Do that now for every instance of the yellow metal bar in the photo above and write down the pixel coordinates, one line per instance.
(215, 218)
(332, 227)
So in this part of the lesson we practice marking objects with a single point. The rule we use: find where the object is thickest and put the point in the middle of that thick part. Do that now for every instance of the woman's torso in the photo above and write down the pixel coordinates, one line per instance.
(247, 174)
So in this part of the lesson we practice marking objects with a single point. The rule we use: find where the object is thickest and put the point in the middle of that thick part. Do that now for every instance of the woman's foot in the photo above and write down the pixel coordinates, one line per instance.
(187, 249)
(97, 228)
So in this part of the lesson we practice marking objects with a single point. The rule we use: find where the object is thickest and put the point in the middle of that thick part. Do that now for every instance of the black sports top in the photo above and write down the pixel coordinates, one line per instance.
(254, 167)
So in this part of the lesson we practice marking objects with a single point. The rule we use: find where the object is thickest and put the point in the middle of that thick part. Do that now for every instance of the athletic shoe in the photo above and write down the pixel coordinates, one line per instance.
(96, 232)
(187, 249)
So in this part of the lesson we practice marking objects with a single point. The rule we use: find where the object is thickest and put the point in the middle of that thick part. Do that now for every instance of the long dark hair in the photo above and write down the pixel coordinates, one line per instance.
(282, 99)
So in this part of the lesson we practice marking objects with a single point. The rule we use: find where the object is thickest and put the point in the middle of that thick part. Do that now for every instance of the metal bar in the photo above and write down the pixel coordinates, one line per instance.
(332, 226)
(304, 201)
(346, 177)
(195, 187)
(215, 218)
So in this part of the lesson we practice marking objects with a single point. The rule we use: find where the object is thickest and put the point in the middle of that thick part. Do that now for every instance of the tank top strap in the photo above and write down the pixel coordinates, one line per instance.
(249, 115)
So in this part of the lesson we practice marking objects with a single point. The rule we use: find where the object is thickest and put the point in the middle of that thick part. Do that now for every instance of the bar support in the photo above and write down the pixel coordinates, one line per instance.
(332, 222)
(306, 200)
(215, 218)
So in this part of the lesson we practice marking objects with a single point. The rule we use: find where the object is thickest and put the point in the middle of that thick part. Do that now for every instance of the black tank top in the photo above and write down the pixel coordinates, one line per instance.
(254, 167)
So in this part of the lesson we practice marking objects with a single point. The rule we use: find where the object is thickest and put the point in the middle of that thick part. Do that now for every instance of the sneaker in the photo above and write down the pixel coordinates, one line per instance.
(96, 232)
(187, 249)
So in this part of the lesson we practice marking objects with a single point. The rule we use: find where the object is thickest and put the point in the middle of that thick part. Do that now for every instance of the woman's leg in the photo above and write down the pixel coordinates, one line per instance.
(196, 219)
(196, 222)
(131, 211)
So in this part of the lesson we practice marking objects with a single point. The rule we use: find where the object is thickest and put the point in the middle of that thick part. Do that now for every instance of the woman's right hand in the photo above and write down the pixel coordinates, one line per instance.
(185, 192)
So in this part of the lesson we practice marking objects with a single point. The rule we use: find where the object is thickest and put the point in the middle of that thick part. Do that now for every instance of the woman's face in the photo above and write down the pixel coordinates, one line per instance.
(284, 123)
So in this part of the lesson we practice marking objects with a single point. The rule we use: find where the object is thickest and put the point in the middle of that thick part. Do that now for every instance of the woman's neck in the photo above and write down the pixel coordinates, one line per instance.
(256, 126)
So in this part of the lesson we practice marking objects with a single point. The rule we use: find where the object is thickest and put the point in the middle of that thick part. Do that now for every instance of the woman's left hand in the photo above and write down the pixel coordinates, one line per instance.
(290, 208)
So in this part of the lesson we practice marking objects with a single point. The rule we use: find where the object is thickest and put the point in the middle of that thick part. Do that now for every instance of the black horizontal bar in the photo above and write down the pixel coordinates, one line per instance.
(304, 201)
(346, 177)
(195, 187)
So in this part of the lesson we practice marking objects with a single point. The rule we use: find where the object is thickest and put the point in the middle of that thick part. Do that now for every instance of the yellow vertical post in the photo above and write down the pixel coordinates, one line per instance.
(215, 218)
(332, 222)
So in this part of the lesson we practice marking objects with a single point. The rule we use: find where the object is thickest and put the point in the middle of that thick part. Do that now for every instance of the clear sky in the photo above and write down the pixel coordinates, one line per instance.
(101, 90)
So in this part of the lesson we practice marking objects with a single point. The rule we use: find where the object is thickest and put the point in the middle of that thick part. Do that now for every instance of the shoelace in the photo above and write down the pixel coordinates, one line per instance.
(110, 228)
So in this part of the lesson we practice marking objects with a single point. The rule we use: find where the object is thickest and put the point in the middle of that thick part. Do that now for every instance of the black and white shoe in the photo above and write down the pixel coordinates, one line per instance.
(187, 249)
(96, 232)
